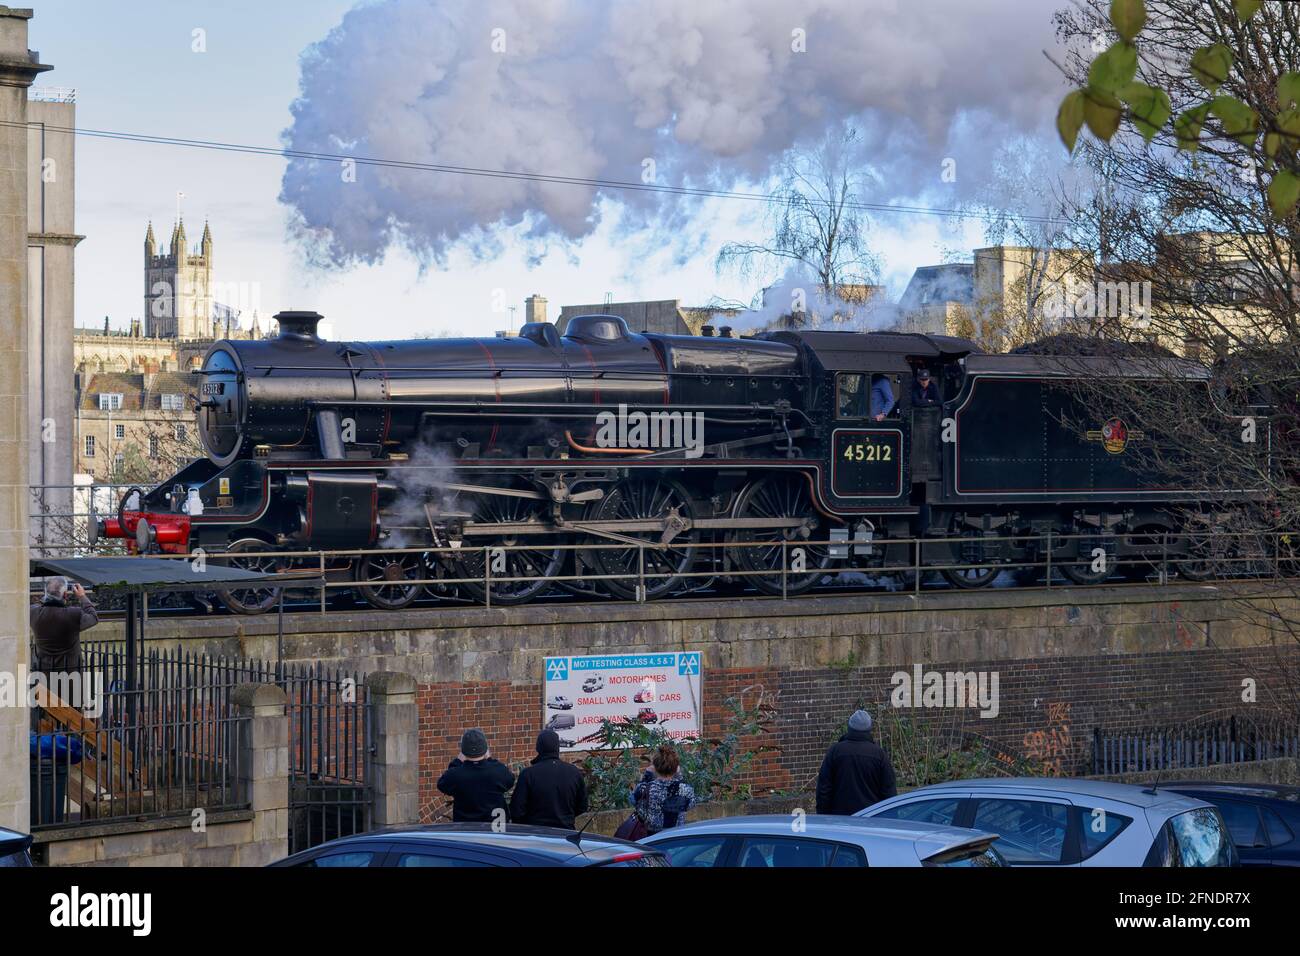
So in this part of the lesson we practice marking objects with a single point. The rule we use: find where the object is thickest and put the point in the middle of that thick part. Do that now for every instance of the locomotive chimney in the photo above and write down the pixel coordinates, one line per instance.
(725, 332)
(298, 325)
(706, 331)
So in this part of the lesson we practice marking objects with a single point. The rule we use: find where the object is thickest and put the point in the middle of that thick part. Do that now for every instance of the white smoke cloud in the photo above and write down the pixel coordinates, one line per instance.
(712, 92)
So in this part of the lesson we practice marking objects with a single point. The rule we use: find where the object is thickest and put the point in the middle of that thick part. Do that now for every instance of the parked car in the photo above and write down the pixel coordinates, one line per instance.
(559, 702)
(15, 848)
(560, 722)
(823, 841)
(1062, 822)
(644, 697)
(647, 716)
(1263, 818)
(475, 845)
(593, 683)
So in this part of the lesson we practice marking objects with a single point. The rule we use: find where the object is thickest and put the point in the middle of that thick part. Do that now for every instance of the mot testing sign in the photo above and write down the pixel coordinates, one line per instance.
(659, 690)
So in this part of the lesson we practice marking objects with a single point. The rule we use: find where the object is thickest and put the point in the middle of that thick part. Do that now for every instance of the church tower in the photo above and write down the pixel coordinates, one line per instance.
(178, 286)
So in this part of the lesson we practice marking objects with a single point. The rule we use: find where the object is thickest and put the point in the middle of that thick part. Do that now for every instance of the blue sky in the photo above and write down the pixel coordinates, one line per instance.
(134, 70)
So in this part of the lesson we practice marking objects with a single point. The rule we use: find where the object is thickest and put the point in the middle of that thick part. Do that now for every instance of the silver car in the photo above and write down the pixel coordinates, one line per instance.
(1062, 822)
(778, 841)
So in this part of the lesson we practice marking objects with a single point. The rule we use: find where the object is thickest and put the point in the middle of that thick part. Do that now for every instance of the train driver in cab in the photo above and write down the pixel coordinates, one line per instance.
(924, 390)
(882, 397)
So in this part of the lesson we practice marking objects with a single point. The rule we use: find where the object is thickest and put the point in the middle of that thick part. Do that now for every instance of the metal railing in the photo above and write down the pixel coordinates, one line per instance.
(1047, 561)
(1221, 741)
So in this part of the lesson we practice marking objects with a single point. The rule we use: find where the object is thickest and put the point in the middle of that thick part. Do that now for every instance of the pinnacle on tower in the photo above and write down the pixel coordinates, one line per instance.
(150, 244)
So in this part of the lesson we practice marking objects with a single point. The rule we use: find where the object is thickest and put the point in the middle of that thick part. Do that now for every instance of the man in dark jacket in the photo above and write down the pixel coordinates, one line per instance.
(57, 626)
(856, 772)
(550, 792)
(924, 391)
(476, 782)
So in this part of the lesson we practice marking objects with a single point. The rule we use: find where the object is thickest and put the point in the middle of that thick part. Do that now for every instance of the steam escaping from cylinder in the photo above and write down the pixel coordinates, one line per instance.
(421, 482)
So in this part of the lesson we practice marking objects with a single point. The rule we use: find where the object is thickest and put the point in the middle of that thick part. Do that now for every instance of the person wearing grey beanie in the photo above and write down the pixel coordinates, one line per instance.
(476, 782)
(856, 771)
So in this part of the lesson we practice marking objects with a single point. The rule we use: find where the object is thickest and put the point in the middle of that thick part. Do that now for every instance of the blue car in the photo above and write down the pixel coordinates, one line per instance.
(14, 848)
(1263, 818)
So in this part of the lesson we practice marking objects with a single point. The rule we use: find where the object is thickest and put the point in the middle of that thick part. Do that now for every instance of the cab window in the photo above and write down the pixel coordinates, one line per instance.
(865, 394)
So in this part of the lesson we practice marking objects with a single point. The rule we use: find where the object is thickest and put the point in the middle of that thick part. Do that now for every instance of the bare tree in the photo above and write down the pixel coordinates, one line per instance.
(1194, 233)
(816, 225)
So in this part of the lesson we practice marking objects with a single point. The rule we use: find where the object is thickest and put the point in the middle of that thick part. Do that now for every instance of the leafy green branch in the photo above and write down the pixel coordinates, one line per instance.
(1113, 87)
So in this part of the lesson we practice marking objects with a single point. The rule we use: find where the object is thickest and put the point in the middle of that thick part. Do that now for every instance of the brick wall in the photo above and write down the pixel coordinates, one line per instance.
(1048, 708)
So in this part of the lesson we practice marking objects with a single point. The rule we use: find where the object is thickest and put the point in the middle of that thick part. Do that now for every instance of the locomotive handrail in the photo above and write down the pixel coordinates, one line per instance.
(494, 406)
(393, 372)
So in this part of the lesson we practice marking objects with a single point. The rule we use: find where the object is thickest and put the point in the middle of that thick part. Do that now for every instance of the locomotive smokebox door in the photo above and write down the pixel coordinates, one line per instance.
(342, 510)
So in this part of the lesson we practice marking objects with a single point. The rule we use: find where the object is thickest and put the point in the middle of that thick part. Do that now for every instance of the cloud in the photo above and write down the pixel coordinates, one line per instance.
(711, 92)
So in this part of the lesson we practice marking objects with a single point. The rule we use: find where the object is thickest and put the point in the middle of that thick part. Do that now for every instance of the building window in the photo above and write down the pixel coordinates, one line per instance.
(119, 432)
(90, 446)
(173, 403)
(153, 446)
(118, 461)
(180, 432)
(110, 401)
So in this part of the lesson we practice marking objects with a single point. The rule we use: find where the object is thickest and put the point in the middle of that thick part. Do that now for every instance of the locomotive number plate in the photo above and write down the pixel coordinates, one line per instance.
(214, 388)
(867, 463)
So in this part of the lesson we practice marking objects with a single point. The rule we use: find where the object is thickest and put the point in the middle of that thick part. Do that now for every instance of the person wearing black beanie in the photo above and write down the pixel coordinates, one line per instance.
(550, 792)
(476, 782)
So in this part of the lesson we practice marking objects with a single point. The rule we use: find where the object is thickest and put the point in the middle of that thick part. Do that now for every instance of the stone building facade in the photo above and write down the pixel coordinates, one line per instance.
(19, 65)
(51, 242)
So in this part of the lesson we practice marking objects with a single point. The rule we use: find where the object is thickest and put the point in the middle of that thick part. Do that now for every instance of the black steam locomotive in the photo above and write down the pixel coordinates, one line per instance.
(605, 460)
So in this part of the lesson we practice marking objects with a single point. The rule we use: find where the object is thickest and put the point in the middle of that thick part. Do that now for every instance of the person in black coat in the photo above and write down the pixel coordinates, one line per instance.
(550, 793)
(476, 782)
(924, 390)
(856, 772)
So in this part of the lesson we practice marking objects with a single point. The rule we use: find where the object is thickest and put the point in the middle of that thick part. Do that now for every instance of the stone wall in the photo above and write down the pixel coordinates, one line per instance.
(1067, 660)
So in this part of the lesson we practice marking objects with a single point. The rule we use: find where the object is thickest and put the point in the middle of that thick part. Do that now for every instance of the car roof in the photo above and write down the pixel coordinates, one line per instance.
(517, 837)
(1264, 791)
(1138, 795)
(929, 838)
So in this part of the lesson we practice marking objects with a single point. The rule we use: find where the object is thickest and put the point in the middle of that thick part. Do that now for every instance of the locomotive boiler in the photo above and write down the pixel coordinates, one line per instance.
(639, 465)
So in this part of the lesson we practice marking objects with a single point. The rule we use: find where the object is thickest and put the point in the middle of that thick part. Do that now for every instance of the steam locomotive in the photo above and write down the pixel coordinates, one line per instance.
(606, 461)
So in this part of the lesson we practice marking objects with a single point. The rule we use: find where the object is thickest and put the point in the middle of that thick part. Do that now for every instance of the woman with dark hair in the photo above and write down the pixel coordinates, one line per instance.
(663, 797)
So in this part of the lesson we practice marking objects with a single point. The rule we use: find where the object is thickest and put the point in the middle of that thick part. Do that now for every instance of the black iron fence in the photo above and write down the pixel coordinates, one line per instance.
(1226, 740)
(102, 753)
